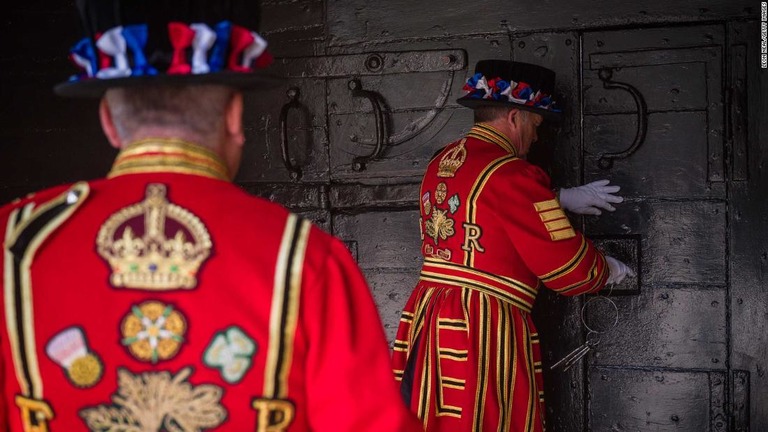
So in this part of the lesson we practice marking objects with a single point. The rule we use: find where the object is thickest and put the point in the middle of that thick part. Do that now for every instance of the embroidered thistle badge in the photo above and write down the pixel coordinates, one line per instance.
(69, 349)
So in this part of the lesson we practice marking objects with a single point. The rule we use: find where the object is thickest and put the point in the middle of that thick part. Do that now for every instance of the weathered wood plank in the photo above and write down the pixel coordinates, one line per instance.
(362, 21)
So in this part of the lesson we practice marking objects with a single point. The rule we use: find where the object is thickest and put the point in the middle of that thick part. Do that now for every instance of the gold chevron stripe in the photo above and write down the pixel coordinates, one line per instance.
(546, 205)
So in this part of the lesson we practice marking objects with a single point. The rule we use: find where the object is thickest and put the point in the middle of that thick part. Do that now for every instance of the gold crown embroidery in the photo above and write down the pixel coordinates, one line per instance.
(452, 161)
(136, 243)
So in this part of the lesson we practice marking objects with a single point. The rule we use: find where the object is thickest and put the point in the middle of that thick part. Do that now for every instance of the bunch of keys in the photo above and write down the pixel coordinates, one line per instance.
(593, 336)
(574, 356)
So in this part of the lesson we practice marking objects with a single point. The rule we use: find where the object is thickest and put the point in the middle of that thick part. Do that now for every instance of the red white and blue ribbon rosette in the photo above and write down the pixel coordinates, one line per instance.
(197, 49)
(521, 93)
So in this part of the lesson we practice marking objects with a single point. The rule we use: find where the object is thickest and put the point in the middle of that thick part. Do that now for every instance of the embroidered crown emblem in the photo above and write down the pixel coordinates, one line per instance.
(452, 161)
(154, 244)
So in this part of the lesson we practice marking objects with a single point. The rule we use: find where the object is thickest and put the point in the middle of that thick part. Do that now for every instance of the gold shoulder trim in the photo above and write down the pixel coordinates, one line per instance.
(490, 134)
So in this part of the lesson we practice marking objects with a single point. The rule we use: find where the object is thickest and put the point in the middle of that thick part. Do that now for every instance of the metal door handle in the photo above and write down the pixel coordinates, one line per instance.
(606, 159)
(358, 163)
(293, 103)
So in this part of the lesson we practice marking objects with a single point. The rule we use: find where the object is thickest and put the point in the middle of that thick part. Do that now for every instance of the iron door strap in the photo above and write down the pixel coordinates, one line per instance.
(293, 103)
(368, 64)
(606, 159)
(359, 163)
(377, 63)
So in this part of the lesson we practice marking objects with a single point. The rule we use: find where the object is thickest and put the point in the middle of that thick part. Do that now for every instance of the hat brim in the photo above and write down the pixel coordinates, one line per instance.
(477, 103)
(95, 87)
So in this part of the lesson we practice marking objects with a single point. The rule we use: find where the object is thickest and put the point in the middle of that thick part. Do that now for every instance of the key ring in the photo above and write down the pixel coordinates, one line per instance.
(593, 337)
(596, 298)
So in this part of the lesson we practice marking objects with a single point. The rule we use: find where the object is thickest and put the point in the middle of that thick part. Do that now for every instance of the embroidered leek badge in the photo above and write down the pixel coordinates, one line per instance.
(231, 352)
(155, 401)
(69, 350)
(440, 226)
(153, 331)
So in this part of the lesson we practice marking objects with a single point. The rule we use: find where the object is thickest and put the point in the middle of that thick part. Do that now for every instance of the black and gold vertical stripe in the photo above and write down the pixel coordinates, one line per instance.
(26, 231)
(425, 391)
(474, 194)
(506, 377)
(275, 411)
(426, 310)
(12, 298)
(484, 354)
(511, 334)
(285, 306)
(501, 364)
(533, 398)
(419, 315)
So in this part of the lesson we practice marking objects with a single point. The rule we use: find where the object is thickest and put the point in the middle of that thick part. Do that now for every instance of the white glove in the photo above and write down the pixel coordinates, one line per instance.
(586, 199)
(618, 270)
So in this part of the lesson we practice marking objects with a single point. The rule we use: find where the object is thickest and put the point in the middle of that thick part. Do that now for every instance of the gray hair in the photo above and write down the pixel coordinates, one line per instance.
(197, 112)
(490, 113)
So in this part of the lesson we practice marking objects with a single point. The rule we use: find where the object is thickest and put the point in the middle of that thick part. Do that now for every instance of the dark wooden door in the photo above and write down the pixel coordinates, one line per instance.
(666, 363)
(651, 109)
(654, 115)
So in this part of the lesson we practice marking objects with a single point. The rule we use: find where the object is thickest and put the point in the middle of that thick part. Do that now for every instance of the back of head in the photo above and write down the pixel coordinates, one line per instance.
(193, 113)
(492, 114)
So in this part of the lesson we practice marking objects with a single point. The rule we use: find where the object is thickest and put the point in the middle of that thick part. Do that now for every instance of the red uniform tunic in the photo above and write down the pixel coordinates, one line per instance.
(467, 352)
(164, 298)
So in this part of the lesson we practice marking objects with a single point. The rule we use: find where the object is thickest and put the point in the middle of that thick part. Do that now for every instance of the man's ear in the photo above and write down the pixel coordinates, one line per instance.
(107, 125)
(234, 119)
(514, 119)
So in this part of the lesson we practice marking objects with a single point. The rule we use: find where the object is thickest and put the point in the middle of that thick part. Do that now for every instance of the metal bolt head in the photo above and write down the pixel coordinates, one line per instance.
(374, 62)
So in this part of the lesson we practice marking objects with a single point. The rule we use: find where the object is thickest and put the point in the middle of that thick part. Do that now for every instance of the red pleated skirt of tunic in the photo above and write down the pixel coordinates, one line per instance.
(468, 361)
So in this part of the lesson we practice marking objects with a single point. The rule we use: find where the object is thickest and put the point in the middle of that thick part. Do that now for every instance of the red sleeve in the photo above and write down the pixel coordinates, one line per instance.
(8, 383)
(350, 385)
(3, 399)
(561, 257)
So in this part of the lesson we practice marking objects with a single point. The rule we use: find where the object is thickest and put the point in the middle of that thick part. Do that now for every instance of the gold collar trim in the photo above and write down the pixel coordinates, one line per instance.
(490, 134)
(156, 155)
